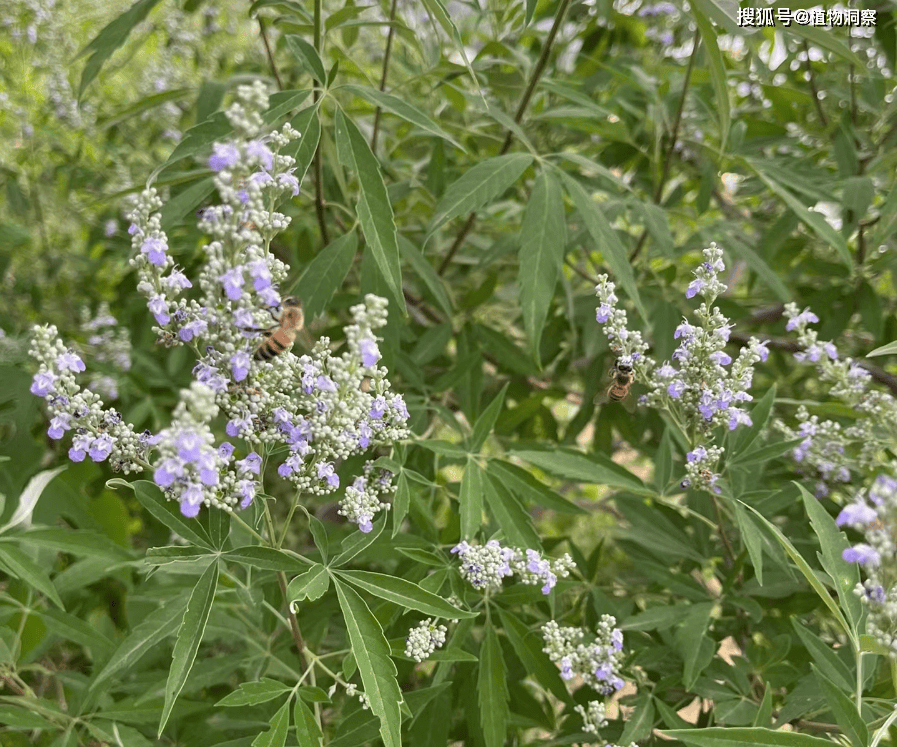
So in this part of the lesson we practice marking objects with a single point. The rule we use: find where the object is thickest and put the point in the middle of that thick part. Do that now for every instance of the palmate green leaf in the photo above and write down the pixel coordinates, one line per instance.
(311, 585)
(812, 220)
(528, 489)
(325, 274)
(190, 634)
(478, 186)
(158, 625)
(150, 497)
(308, 57)
(20, 566)
(889, 349)
(606, 241)
(267, 558)
(740, 737)
(378, 673)
(470, 498)
(374, 209)
(492, 690)
(833, 542)
(543, 240)
(308, 732)
(807, 572)
(113, 35)
(276, 736)
(404, 593)
(514, 520)
(592, 468)
(401, 108)
(253, 693)
(717, 69)
(844, 711)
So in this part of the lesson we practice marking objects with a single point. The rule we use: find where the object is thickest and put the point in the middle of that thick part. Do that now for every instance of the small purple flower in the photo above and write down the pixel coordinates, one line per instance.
(270, 296)
(398, 405)
(59, 425)
(43, 383)
(287, 181)
(830, 350)
(250, 465)
(225, 450)
(80, 445)
(856, 515)
(237, 426)
(364, 435)
(370, 353)
(805, 317)
(695, 287)
(232, 282)
(721, 358)
(602, 313)
(154, 248)
(243, 318)
(738, 417)
(566, 668)
(325, 384)
(177, 280)
(461, 548)
(699, 453)
(191, 499)
(210, 376)
(685, 330)
(365, 523)
(257, 149)
(291, 465)
(193, 329)
(159, 308)
(665, 372)
(167, 472)
(676, 388)
(239, 365)
(189, 444)
(327, 473)
(261, 178)
(224, 155)
(763, 350)
(378, 408)
(101, 447)
(208, 469)
(260, 273)
(69, 360)
(245, 489)
(862, 554)
(707, 405)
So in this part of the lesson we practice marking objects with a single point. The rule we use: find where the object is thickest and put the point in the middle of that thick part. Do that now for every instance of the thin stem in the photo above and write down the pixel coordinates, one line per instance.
(282, 581)
(518, 116)
(859, 693)
(248, 528)
(884, 728)
(386, 55)
(674, 137)
(270, 54)
(722, 531)
(319, 156)
(811, 79)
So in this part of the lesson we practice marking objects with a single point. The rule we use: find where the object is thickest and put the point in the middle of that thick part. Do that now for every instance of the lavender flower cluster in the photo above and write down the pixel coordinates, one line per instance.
(485, 566)
(107, 343)
(703, 387)
(828, 451)
(98, 432)
(424, 639)
(699, 465)
(306, 413)
(874, 513)
(598, 662)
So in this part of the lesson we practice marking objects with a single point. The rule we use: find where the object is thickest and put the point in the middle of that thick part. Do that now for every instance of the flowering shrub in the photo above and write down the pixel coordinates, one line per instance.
(323, 443)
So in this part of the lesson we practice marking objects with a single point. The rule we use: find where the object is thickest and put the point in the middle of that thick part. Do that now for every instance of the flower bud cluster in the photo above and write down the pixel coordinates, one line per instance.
(485, 566)
(830, 451)
(362, 500)
(424, 639)
(703, 386)
(353, 692)
(699, 464)
(97, 432)
(109, 344)
(874, 513)
(598, 662)
(593, 717)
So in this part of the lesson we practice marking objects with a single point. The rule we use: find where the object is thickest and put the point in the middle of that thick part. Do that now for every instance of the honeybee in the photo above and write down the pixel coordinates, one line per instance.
(622, 377)
(280, 338)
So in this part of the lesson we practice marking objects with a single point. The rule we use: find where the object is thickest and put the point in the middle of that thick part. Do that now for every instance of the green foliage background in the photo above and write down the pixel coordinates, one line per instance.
(479, 165)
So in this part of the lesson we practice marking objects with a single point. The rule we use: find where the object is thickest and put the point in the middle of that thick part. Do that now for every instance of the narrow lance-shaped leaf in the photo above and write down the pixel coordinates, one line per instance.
(28, 498)
(513, 519)
(606, 241)
(378, 672)
(543, 240)
(479, 186)
(276, 736)
(742, 737)
(308, 57)
(717, 74)
(471, 499)
(189, 637)
(113, 35)
(374, 209)
(23, 567)
(168, 513)
(492, 689)
(404, 593)
(326, 273)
